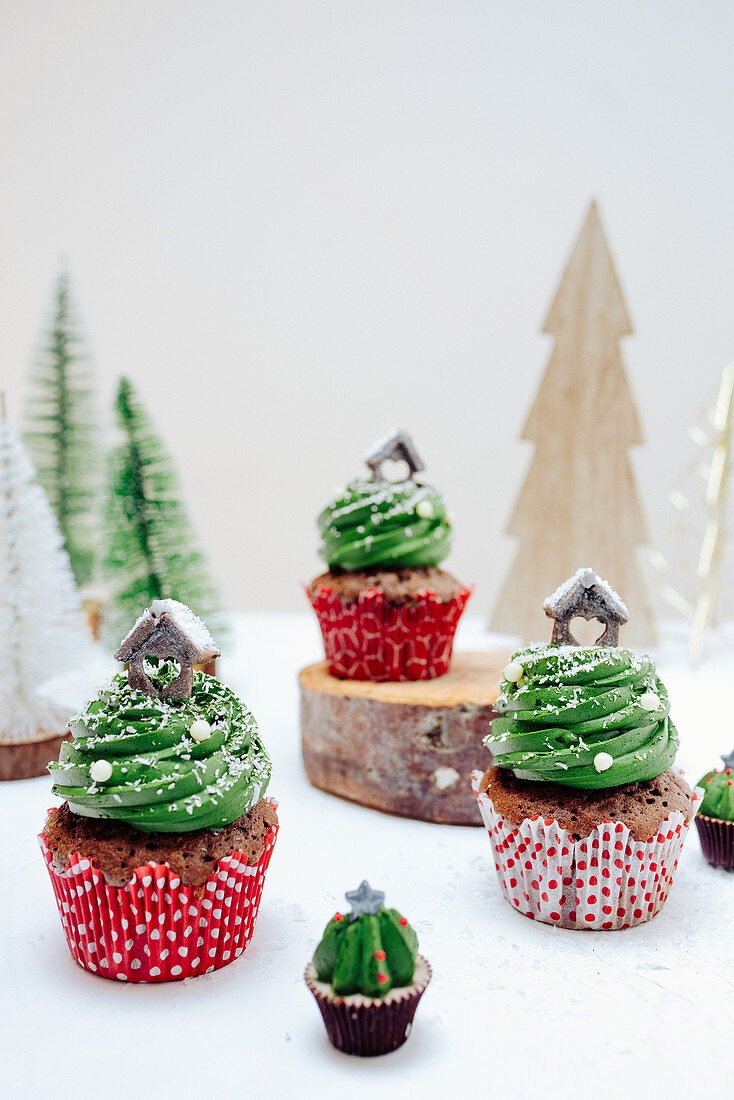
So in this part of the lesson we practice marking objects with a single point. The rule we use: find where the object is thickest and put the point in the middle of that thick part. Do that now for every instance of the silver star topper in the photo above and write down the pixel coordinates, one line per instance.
(365, 899)
(728, 760)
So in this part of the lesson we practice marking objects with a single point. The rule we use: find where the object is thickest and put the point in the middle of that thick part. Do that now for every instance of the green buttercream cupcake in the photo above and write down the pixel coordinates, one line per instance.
(582, 750)
(164, 783)
(367, 976)
(715, 821)
(385, 608)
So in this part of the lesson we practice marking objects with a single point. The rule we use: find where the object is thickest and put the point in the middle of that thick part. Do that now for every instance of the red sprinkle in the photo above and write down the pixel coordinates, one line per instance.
(338, 916)
(380, 955)
(403, 921)
(382, 978)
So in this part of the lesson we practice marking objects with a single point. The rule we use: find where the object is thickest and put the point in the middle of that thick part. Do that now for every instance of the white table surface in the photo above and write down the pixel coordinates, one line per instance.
(515, 1008)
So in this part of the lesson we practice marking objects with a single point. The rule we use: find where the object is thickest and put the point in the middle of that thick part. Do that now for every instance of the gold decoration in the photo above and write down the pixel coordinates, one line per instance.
(712, 429)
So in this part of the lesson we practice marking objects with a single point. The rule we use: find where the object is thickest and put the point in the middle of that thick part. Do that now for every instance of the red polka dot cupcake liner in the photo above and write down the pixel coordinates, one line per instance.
(156, 929)
(373, 639)
(606, 881)
(717, 841)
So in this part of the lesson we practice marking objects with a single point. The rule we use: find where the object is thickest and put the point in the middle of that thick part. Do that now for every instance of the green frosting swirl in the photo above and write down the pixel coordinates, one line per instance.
(398, 525)
(718, 795)
(163, 780)
(583, 717)
(369, 954)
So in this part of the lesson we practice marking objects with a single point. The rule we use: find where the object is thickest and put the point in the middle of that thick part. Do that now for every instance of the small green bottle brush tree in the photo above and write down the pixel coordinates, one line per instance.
(61, 432)
(150, 549)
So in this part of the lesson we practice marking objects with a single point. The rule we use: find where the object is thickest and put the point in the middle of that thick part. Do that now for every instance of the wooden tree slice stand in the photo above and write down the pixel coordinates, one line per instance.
(28, 759)
(404, 748)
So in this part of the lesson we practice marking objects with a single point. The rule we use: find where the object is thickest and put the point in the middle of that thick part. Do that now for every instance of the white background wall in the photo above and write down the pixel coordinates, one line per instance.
(297, 224)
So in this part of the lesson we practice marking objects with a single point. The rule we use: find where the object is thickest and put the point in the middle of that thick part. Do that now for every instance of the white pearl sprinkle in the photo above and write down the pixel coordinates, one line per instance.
(424, 509)
(101, 771)
(513, 672)
(602, 761)
(200, 730)
(650, 700)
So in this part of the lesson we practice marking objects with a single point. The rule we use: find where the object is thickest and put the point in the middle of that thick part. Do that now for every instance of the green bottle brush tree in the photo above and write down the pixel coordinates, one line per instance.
(150, 546)
(61, 432)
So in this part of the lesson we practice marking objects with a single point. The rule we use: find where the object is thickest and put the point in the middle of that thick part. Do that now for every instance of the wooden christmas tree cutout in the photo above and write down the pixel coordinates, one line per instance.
(579, 499)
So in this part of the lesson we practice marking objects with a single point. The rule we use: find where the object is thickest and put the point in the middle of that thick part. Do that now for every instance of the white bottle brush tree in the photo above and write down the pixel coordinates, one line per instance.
(39, 605)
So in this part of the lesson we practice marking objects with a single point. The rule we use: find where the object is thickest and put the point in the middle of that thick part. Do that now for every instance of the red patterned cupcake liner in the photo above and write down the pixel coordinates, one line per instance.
(374, 639)
(717, 841)
(156, 929)
(606, 881)
(367, 1026)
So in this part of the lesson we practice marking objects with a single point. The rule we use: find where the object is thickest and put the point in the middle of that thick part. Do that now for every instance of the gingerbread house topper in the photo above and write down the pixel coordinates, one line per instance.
(585, 596)
(395, 447)
(167, 629)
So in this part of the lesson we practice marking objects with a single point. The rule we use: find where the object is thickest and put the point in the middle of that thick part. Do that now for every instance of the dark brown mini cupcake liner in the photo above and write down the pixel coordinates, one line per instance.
(368, 1026)
(717, 841)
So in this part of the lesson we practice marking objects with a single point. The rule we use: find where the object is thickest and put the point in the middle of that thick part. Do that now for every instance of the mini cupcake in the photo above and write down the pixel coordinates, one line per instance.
(158, 856)
(386, 611)
(585, 815)
(367, 977)
(715, 822)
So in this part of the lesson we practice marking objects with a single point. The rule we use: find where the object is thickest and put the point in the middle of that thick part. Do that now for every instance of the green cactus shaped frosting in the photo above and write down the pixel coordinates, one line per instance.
(718, 787)
(370, 950)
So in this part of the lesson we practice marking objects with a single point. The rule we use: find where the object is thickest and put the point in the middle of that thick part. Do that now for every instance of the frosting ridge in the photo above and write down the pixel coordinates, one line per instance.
(163, 765)
(394, 524)
(371, 953)
(585, 717)
(718, 795)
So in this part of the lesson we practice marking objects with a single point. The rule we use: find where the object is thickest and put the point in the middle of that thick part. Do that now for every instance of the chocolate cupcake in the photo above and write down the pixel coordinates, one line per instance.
(158, 855)
(585, 815)
(715, 821)
(367, 977)
(386, 611)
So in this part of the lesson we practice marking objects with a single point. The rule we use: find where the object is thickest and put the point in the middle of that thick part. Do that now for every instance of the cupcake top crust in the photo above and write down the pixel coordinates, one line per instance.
(718, 791)
(163, 748)
(117, 849)
(642, 807)
(376, 522)
(588, 717)
(369, 950)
